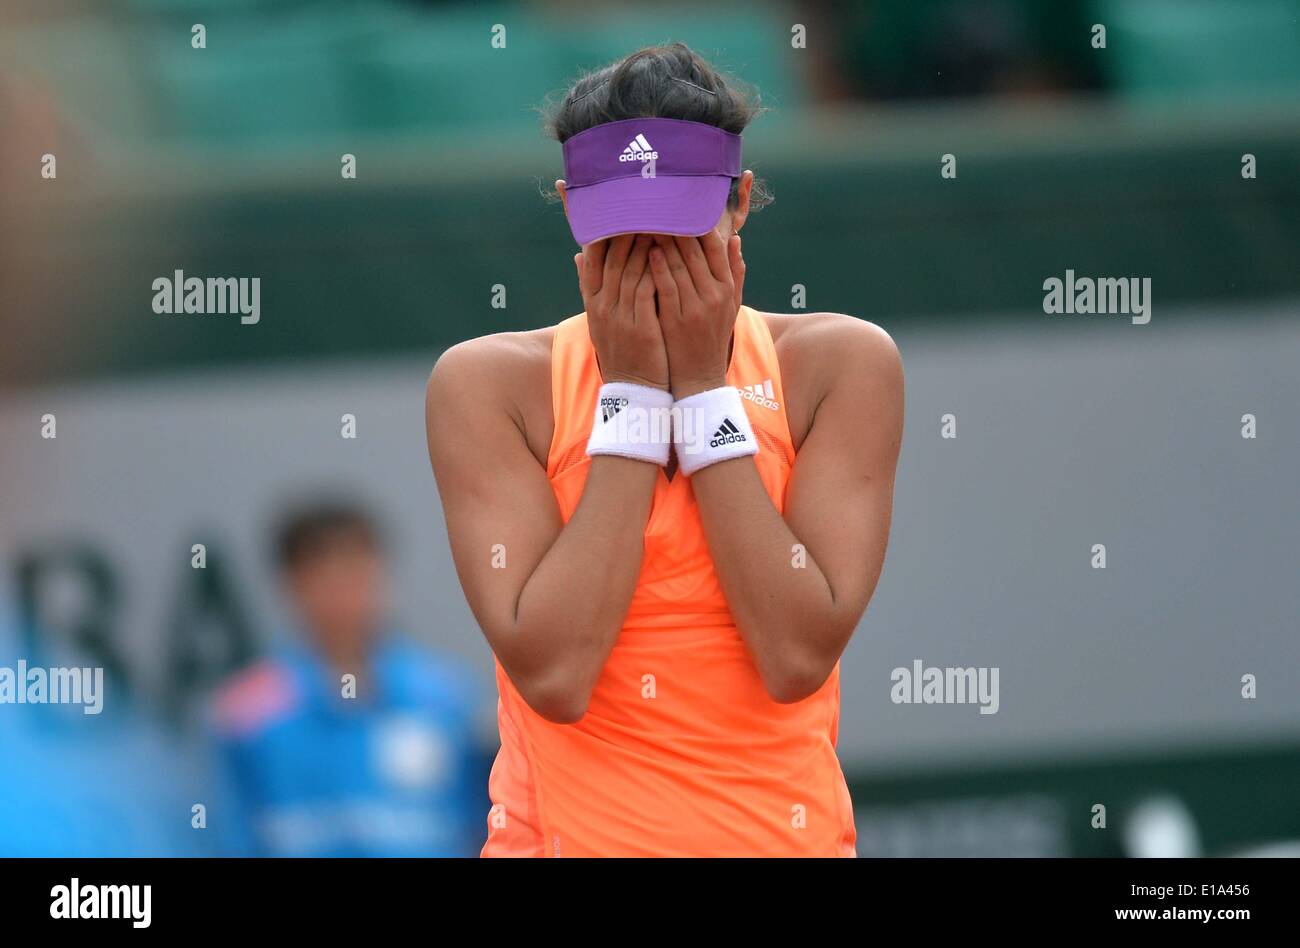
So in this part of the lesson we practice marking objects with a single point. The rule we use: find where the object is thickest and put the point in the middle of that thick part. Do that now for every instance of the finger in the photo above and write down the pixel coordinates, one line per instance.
(715, 254)
(632, 274)
(593, 259)
(644, 306)
(679, 272)
(670, 304)
(696, 264)
(615, 261)
(737, 264)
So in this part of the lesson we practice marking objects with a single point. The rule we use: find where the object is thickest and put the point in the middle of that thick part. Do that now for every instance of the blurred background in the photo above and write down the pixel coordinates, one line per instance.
(177, 434)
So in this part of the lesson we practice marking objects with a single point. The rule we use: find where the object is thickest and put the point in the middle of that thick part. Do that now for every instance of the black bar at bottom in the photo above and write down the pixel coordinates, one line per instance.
(332, 898)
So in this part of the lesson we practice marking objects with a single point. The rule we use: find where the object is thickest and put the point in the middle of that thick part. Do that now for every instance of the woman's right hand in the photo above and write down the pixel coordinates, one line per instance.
(618, 292)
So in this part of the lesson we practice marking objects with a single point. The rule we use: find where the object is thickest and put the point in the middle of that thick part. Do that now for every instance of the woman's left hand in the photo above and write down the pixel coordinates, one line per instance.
(699, 282)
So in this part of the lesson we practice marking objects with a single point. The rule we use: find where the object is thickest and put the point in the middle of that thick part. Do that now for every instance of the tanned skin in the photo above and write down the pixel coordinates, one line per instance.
(661, 312)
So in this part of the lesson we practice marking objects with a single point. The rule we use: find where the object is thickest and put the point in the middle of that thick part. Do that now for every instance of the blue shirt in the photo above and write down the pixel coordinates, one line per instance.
(394, 771)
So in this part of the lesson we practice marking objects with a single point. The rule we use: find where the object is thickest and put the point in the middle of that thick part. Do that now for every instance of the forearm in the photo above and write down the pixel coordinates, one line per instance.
(783, 605)
(573, 605)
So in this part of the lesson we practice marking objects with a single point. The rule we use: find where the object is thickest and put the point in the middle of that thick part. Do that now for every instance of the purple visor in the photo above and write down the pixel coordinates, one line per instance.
(648, 176)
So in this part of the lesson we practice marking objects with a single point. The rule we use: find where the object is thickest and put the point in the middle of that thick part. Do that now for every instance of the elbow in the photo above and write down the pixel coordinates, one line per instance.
(558, 699)
(796, 679)
(556, 683)
(560, 710)
(800, 669)
(792, 687)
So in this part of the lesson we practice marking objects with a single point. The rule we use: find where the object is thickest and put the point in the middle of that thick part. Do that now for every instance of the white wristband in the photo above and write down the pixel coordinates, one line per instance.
(632, 421)
(711, 427)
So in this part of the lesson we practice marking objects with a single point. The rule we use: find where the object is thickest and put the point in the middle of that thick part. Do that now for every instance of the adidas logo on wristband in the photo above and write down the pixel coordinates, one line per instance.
(611, 406)
(632, 421)
(696, 414)
(727, 433)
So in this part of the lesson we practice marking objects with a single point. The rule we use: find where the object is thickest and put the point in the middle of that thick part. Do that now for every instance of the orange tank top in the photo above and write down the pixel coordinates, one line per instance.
(681, 752)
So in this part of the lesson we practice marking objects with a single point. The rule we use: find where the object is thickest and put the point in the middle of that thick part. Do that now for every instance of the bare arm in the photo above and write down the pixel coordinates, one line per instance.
(553, 612)
(797, 612)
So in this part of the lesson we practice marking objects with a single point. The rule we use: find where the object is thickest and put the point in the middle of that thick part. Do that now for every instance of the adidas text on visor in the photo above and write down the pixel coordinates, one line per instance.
(648, 176)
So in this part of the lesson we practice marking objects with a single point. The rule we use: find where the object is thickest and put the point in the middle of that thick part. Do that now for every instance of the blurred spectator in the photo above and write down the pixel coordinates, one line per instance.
(349, 742)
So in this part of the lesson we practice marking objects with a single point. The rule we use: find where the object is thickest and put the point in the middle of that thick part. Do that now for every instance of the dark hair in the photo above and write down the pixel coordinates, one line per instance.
(670, 81)
(312, 531)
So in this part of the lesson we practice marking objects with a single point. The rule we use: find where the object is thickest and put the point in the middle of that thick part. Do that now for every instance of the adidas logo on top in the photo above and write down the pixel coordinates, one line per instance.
(727, 433)
(638, 149)
(760, 393)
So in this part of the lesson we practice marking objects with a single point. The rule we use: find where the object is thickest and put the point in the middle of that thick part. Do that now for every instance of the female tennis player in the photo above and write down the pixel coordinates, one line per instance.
(668, 512)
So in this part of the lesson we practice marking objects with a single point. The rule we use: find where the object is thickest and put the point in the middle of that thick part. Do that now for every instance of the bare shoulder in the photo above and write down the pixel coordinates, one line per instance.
(500, 374)
(821, 353)
(496, 361)
(834, 339)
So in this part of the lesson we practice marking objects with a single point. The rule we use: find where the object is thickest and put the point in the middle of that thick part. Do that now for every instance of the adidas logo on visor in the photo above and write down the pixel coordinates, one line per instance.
(638, 149)
(727, 433)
